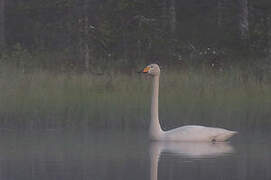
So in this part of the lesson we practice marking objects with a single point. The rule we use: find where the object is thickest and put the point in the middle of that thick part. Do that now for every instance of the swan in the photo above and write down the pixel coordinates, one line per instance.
(183, 133)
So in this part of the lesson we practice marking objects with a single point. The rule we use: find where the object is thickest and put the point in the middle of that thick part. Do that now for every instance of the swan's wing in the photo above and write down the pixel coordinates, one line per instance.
(198, 133)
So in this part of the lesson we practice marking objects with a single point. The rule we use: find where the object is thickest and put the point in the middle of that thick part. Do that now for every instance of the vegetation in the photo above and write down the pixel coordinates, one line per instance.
(90, 33)
(67, 63)
(46, 100)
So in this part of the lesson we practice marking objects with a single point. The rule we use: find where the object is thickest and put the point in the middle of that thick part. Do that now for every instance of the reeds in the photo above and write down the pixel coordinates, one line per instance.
(46, 100)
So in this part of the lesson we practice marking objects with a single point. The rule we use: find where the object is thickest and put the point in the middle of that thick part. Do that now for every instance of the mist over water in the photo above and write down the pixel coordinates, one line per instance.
(79, 126)
(73, 105)
(111, 155)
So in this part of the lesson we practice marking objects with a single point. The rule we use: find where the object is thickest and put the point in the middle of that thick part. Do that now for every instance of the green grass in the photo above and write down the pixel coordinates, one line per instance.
(46, 100)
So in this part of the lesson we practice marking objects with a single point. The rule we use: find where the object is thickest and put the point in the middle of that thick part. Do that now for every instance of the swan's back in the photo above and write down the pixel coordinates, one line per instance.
(198, 133)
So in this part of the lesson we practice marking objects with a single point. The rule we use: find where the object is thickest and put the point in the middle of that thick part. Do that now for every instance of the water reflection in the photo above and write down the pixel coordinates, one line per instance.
(185, 149)
(122, 156)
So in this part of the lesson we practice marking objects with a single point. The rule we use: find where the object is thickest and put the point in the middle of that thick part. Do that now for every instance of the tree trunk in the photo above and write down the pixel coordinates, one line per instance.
(86, 35)
(268, 34)
(2, 24)
(172, 18)
(219, 8)
(164, 14)
(243, 22)
(220, 13)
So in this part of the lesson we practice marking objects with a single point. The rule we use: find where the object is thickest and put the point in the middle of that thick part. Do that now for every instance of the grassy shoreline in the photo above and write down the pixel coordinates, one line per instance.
(46, 100)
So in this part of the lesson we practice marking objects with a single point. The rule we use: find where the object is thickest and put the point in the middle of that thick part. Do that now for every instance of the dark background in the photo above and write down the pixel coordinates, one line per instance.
(89, 33)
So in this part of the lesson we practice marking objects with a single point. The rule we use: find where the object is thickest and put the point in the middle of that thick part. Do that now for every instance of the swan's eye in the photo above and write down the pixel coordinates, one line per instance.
(151, 66)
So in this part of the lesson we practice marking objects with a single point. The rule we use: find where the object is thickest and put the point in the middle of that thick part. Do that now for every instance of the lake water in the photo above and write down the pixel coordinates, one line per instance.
(111, 155)
(79, 126)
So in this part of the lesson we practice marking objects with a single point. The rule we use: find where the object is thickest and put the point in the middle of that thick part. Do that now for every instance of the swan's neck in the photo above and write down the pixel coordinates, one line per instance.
(155, 128)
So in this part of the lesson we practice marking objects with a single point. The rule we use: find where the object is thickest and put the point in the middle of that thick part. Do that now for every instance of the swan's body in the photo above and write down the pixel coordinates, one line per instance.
(184, 133)
(194, 133)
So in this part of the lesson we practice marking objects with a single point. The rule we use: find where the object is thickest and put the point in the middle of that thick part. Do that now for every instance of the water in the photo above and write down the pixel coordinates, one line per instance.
(41, 113)
(110, 155)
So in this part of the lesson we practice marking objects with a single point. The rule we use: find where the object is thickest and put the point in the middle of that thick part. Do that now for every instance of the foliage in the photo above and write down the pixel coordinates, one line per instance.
(135, 30)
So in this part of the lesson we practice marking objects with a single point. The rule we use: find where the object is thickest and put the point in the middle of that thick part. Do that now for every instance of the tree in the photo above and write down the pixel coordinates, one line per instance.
(86, 28)
(268, 19)
(164, 14)
(243, 22)
(172, 17)
(2, 24)
(221, 6)
(86, 34)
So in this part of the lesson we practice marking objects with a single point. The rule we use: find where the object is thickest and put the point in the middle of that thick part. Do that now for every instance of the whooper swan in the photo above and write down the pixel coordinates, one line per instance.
(183, 133)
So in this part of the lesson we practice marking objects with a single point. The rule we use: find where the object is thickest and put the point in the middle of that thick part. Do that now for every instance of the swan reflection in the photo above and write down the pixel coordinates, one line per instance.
(187, 150)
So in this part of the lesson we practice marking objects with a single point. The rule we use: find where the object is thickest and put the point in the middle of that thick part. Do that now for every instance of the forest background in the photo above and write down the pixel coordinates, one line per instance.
(88, 35)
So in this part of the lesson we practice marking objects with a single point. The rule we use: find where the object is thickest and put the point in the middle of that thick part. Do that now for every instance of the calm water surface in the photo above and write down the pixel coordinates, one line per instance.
(55, 155)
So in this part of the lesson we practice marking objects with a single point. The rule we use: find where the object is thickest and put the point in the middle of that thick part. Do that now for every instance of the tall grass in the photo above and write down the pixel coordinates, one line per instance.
(46, 100)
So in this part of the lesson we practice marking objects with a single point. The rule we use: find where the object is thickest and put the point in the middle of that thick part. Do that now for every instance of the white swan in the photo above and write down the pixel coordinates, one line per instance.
(184, 133)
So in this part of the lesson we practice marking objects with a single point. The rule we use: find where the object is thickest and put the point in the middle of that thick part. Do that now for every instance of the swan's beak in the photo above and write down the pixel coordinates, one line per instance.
(146, 69)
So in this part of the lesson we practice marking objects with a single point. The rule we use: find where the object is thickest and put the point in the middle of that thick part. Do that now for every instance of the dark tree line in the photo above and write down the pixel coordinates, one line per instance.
(131, 30)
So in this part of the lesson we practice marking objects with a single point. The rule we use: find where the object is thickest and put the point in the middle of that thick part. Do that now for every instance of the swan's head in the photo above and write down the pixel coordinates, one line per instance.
(152, 69)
